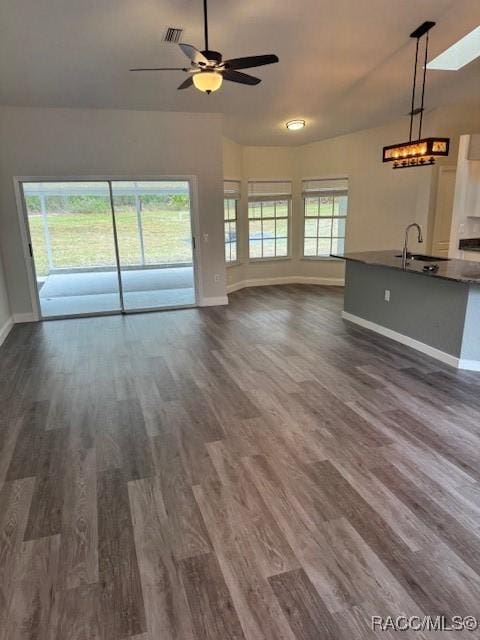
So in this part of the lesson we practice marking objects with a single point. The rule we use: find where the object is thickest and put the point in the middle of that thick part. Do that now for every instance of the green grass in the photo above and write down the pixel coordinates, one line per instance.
(86, 239)
(326, 208)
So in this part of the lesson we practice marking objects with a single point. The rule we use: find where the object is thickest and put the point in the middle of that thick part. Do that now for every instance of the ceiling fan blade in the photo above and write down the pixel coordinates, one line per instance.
(186, 83)
(193, 54)
(161, 69)
(251, 61)
(237, 76)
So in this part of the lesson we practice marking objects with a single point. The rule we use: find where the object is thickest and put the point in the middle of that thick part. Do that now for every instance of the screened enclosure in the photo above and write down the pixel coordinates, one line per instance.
(105, 246)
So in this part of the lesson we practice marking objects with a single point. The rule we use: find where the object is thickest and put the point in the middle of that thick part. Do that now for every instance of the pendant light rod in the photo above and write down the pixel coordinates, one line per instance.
(423, 87)
(419, 32)
(412, 110)
(205, 23)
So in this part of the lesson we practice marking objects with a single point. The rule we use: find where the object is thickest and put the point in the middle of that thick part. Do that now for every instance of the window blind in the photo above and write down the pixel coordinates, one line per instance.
(264, 190)
(231, 189)
(320, 187)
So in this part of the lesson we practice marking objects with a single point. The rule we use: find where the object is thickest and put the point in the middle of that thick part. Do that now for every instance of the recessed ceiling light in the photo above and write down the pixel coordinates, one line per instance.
(459, 54)
(293, 125)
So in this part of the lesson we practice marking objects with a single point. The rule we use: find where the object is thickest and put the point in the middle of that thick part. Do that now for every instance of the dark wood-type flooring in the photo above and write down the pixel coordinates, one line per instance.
(258, 471)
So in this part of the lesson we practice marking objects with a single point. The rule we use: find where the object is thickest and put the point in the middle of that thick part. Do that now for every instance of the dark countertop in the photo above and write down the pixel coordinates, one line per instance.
(457, 270)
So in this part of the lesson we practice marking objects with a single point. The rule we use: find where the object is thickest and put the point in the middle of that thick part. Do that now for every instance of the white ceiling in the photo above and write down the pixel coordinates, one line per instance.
(344, 65)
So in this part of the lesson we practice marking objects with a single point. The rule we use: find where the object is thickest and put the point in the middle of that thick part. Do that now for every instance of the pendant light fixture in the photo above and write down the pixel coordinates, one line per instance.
(419, 151)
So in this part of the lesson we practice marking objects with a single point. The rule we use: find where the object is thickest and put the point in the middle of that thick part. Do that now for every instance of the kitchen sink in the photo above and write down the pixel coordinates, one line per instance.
(422, 258)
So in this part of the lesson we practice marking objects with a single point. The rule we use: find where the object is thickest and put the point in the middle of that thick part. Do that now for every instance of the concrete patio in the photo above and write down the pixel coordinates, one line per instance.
(65, 294)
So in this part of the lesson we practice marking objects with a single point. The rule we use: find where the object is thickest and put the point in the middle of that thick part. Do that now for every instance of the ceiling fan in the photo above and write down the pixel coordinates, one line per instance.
(208, 70)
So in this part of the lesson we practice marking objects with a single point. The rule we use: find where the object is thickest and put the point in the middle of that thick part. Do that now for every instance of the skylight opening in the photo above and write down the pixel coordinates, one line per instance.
(459, 54)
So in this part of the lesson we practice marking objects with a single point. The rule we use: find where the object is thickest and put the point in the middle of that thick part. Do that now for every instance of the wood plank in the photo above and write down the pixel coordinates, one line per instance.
(79, 543)
(107, 444)
(45, 517)
(133, 441)
(33, 590)
(166, 608)
(15, 499)
(122, 603)
(189, 535)
(272, 552)
(78, 615)
(9, 430)
(211, 606)
(25, 458)
(306, 613)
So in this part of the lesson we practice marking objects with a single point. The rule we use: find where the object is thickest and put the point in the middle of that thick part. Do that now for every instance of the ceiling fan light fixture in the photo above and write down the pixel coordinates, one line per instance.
(295, 125)
(207, 71)
(207, 81)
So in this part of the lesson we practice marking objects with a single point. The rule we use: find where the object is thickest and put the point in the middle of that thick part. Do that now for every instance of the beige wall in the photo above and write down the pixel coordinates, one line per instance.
(5, 314)
(76, 142)
(381, 201)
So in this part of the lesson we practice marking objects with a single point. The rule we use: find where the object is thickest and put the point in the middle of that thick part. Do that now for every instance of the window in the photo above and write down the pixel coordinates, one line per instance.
(231, 189)
(325, 214)
(268, 219)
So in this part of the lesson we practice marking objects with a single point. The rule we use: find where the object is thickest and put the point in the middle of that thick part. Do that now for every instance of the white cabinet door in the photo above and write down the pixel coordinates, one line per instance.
(443, 211)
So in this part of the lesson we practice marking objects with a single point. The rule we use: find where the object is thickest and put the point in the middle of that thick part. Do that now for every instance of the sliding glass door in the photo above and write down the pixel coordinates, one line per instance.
(72, 242)
(110, 246)
(154, 232)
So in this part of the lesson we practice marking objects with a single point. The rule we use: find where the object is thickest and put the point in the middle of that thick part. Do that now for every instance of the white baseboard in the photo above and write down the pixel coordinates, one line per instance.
(447, 358)
(24, 317)
(263, 282)
(5, 330)
(213, 302)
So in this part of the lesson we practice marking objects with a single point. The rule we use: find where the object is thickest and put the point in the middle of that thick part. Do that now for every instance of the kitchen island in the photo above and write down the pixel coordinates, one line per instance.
(436, 312)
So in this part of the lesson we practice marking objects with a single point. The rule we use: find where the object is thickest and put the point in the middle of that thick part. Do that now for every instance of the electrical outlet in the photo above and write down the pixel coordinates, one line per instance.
(216, 278)
(387, 295)
(205, 237)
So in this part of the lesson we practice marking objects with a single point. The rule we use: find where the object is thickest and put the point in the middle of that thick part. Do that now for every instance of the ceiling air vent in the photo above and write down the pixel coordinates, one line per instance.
(172, 34)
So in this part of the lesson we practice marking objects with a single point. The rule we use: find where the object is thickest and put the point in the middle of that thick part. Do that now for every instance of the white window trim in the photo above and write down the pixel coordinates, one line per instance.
(225, 220)
(233, 263)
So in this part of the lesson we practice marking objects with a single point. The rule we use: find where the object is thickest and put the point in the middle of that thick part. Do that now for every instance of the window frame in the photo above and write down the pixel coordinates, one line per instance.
(230, 263)
(274, 199)
(318, 195)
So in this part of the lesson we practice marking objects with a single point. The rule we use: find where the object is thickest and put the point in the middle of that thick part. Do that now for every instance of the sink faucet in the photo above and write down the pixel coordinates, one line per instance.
(405, 246)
